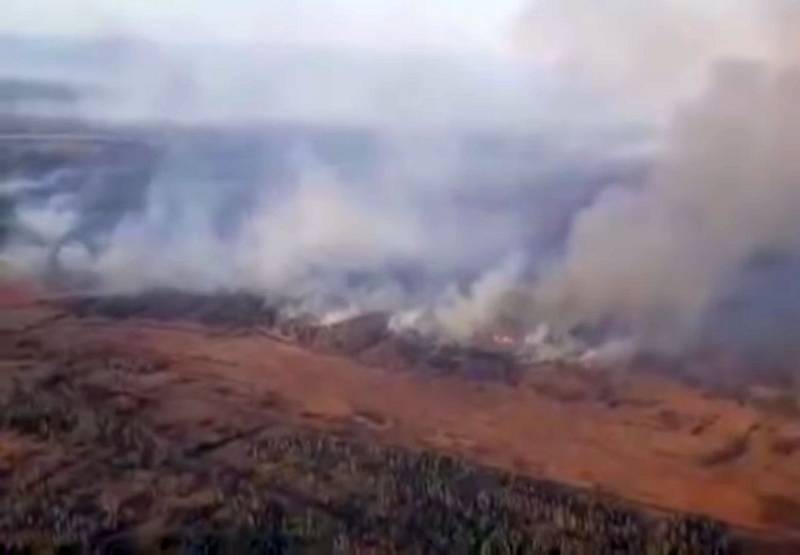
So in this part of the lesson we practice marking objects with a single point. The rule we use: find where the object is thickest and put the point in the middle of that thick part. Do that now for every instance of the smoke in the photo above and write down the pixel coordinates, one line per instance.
(344, 220)
(647, 54)
(349, 179)
(456, 208)
(196, 81)
(657, 262)
(461, 313)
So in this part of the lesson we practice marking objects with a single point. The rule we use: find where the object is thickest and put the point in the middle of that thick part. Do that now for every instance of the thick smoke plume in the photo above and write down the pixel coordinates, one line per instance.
(424, 185)
(434, 223)
(722, 200)
(564, 234)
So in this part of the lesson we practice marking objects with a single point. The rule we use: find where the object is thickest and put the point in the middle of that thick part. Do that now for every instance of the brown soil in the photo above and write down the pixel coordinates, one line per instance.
(642, 437)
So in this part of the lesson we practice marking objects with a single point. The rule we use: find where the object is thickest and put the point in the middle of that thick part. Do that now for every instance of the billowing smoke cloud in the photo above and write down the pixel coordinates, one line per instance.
(723, 194)
(342, 220)
(352, 180)
(588, 238)
(460, 314)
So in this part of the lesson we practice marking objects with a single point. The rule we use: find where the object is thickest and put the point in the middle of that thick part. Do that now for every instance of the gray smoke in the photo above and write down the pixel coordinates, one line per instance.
(463, 194)
(343, 219)
(723, 194)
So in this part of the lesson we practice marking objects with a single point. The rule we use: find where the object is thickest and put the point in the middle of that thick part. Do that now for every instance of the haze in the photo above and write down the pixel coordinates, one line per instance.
(385, 24)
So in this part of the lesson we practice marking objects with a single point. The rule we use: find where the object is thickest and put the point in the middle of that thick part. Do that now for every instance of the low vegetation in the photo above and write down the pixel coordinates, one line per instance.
(291, 489)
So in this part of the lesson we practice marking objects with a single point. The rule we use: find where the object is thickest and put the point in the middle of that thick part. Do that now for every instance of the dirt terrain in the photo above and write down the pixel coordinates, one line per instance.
(102, 407)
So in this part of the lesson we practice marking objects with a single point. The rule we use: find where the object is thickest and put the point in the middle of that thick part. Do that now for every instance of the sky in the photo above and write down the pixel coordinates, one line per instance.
(427, 25)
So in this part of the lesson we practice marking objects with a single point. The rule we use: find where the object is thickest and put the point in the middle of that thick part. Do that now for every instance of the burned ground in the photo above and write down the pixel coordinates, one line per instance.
(86, 466)
(157, 432)
(366, 338)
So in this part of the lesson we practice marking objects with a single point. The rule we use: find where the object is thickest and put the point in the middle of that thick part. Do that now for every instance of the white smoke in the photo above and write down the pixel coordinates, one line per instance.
(461, 314)
(612, 354)
(438, 227)
(321, 225)
(726, 184)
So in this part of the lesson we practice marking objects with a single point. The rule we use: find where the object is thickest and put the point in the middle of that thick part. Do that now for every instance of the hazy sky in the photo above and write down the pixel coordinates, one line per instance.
(393, 24)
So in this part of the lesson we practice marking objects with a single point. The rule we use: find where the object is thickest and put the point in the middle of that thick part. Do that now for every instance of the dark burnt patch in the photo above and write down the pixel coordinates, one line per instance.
(223, 309)
(780, 510)
(366, 338)
(731, 451)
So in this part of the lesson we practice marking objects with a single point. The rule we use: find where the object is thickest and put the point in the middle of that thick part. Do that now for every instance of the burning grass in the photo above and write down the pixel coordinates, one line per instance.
(367, 337)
